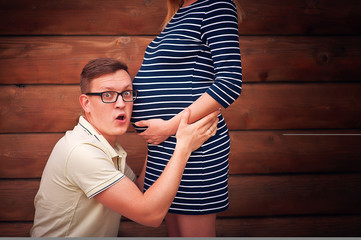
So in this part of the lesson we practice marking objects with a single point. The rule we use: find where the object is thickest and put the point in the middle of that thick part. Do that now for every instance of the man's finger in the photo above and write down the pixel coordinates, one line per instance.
(185, 116)
(214, 127)
(208, 120)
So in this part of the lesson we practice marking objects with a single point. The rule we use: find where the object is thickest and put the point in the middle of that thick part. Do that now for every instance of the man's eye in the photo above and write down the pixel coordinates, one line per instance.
(127, 93)
(107, 95)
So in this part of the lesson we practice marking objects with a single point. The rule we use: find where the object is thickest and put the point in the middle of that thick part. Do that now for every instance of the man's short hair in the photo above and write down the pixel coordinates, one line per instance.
(97, 68)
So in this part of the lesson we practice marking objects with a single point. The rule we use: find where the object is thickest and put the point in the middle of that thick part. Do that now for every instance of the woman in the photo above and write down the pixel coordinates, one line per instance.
(195, 62)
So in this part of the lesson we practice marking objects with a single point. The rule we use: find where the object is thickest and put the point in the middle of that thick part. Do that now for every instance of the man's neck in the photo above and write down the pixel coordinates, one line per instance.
(110, 139)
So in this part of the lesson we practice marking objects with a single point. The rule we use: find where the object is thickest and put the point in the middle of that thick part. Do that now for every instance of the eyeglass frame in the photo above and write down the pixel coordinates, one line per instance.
(135, 94)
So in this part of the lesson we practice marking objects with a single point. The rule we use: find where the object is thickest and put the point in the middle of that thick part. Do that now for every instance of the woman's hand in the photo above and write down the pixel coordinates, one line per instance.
(157, 130)
(192, 136)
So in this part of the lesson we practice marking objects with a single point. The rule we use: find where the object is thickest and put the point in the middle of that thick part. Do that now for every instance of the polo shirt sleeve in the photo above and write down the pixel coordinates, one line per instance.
(129, 173)
(91, 170)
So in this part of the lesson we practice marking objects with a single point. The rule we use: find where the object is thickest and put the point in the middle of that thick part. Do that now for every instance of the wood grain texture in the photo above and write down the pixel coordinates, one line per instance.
(39, 107)
(296, 106)
(270, 152)
(285, 195)
(17, 199)
(261, 106)
(328, 226)
(300, 17)
(59, 60)
(136, 17)
(300, 59)
(33, 151)
(143, 17)
(301, 75)
(250, 196)
(316, 226)
(252, 152)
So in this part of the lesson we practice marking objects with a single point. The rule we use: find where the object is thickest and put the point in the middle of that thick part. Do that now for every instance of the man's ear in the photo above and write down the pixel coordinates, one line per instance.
(85, 103)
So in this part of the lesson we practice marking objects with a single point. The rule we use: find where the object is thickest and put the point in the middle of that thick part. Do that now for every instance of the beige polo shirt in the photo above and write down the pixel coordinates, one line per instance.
(81, 165)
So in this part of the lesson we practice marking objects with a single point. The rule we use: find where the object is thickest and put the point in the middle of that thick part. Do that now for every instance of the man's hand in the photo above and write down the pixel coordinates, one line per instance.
(192, 136)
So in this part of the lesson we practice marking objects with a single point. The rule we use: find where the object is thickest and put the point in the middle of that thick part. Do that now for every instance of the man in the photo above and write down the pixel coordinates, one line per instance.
(86, 185)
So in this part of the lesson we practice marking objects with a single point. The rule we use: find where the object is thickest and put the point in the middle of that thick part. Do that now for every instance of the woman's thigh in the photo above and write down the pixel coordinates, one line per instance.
(179, 225)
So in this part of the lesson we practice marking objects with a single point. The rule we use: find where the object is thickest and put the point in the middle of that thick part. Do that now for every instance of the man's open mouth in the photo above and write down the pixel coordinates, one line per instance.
(120, 117)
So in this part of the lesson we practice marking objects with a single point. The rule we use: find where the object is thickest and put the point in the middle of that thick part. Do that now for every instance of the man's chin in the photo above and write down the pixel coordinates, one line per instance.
(122, 130)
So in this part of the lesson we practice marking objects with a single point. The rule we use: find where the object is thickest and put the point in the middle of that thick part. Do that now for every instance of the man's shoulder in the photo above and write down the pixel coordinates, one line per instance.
(78, 136)
(74, 139)
(79, 140)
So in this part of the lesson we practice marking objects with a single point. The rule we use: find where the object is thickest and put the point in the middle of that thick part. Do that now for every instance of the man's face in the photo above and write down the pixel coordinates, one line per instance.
(110, 119)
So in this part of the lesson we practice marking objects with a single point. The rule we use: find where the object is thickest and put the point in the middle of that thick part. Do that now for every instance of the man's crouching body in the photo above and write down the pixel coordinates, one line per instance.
(86, 185)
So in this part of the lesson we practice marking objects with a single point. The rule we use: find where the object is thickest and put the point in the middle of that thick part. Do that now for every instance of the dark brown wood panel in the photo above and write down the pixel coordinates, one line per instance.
(284, 195)
(18, 151)
(264, 152)
(33, 150)
(17, 199)
(300, 17)
(292, 173)
(109, 17)
(251, 152)
(59, 60)
(329, 194)
(296, 106)
(139, 17)
(32, 108)
(330, 226)
(15, 229)
(300, 59)
(261, 106)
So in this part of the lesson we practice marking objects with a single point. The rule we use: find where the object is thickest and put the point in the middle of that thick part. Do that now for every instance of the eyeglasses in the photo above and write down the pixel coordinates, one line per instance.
(112, 96)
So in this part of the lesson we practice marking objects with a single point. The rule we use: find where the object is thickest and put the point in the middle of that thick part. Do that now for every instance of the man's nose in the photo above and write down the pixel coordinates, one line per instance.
(120, 103)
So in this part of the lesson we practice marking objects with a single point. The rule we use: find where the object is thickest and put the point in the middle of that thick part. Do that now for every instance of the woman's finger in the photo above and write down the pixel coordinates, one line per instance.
(143, 123)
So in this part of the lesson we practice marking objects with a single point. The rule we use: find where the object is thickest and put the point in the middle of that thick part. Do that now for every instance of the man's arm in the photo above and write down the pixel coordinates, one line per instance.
(151, 207)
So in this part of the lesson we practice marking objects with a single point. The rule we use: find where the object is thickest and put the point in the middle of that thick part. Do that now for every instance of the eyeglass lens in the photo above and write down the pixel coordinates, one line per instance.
(128, 96)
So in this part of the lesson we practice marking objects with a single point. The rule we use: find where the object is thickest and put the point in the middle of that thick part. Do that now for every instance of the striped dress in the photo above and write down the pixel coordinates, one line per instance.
(197, 52)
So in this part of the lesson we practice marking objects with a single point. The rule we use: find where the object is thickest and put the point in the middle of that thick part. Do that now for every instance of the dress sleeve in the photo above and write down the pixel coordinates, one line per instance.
(220, 33)
(91, 173)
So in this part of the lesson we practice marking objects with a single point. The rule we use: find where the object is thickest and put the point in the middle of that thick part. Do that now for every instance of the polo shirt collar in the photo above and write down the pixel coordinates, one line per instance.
(113, 153)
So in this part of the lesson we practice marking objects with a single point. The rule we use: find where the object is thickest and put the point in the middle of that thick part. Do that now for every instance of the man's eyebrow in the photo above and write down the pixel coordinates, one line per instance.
(128, 86)
(113, 89)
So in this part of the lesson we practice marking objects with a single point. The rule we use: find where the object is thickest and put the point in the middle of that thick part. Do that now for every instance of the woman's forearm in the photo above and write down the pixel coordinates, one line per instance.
(203, 106)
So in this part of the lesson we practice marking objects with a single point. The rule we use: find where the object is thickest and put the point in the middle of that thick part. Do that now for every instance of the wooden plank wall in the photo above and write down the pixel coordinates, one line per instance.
(295, 131)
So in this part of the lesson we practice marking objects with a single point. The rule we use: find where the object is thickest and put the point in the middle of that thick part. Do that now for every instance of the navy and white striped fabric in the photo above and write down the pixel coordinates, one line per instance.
(197, 52)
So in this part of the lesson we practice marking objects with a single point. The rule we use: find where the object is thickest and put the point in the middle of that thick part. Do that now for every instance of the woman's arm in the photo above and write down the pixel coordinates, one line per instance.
(159, 130)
